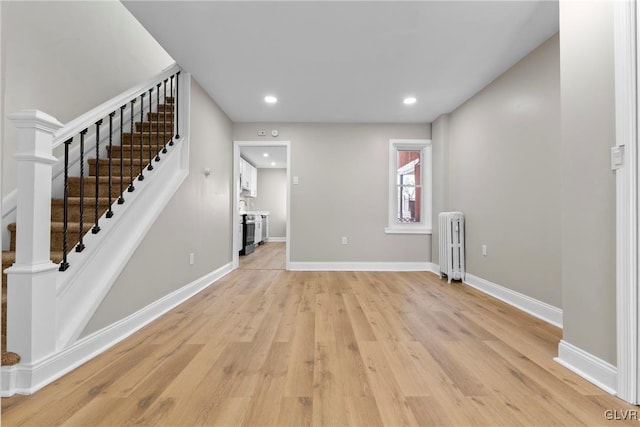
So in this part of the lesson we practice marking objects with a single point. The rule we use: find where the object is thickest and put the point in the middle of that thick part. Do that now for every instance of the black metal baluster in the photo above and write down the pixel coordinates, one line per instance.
(150, 166)
(172, 107)
(158, 121)
(80, 245)
(141, 176)
(109, 211)
(65, 218)
(121, 198)
(131, 141)
(177, 102)
(96, 227)
(164, 119)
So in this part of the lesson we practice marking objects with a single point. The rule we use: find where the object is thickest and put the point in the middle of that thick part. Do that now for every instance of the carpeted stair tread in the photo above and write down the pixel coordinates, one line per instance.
(115, 167)
(161, 137)
(57, 226)
(165, 107)
(145, 126)
(126, 161)
(103, 185)
(9, 358)
(125, 151)
(101, 179)
(73, 211)
(75, 201)
(8, 258)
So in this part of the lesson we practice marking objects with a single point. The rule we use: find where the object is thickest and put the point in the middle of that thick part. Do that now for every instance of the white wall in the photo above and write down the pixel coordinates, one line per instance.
(272, 197)
(343, 191)
(588, 184)
(197, 220)
(500, 159)
(65, 58)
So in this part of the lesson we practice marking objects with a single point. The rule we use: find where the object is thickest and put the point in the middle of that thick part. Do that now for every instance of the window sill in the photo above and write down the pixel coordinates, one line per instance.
(412, 230)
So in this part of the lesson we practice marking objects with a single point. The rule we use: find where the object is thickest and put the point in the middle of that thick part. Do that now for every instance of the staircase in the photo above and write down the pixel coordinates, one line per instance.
(137, 150)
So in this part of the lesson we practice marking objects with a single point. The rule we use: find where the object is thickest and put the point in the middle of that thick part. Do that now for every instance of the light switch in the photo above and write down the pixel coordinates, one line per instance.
(296, 181)
(617, 157)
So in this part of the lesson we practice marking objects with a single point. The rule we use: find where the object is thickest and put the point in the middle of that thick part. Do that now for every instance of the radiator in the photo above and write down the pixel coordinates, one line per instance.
(451, 226)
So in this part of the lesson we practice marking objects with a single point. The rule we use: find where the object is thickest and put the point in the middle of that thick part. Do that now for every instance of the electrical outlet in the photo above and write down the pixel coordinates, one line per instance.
(344, 240)
(192, 258)
(484, 250)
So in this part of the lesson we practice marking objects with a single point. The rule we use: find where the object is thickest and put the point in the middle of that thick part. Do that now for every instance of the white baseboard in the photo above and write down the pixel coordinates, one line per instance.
(434, 268)
(359, 266)
(588, 366)
(27, 379)
(536, 308)
(276, 239)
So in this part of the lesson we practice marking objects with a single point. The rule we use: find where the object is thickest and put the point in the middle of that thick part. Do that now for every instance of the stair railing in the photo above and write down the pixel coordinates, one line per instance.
(32, 290)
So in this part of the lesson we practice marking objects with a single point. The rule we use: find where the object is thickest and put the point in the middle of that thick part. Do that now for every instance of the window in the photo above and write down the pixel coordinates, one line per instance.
(409, 186)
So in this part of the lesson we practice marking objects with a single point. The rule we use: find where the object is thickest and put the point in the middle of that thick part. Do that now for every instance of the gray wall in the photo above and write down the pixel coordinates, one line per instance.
(500, 160)
(588, 184)
(440, 156)
(65, 58)
(196, 220)
(272, 197)
(343, 191)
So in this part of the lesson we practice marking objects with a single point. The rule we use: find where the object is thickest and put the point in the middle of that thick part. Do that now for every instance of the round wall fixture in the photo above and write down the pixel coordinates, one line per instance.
(274, 133)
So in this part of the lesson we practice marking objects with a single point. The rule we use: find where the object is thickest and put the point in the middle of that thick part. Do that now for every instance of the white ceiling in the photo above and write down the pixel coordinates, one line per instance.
(338, 61)
(256, 156)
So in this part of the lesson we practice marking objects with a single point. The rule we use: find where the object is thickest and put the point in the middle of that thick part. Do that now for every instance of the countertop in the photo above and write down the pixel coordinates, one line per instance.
(266, 213)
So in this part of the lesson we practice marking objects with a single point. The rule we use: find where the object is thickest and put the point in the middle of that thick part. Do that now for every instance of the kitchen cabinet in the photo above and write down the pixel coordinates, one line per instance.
(248, 179)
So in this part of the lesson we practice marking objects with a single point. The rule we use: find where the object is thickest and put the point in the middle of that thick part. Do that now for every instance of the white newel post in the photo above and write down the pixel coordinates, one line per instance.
(31, 308)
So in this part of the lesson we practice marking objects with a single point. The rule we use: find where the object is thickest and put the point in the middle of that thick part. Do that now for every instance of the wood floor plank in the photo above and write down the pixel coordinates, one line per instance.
(266, 401)
(267, 347)
(140, 398)
(296, 412)
(299, 382)
(392, 405)
(362, 411)
(328, 391)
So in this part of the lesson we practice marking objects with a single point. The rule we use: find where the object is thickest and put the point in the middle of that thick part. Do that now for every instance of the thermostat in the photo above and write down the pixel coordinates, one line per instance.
(274, 133)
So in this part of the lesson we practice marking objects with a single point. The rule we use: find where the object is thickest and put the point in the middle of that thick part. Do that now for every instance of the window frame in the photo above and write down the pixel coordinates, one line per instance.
(424, 226)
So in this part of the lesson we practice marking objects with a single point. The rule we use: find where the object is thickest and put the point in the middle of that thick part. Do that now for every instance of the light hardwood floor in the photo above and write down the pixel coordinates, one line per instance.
(277, 348)
(268, 256)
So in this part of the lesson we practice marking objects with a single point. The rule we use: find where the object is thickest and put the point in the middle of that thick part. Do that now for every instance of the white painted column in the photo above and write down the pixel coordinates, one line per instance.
(31, 308)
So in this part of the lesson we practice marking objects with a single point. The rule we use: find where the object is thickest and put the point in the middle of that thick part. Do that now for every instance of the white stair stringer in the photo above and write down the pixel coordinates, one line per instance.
(92, 272)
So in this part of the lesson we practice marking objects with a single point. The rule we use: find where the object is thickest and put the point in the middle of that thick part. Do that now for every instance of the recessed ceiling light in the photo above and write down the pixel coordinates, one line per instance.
(269, 99)
(265, 154)
(409, 100)
(273, 163)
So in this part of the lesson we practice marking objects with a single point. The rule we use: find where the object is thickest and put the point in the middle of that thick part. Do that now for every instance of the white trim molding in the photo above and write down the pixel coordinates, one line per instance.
(626, 98)
(276, 239)
(588, 366)
(434, 268)
(236, 243)
(426, 184)
(539, 309)
(27, 379)
(359, 266)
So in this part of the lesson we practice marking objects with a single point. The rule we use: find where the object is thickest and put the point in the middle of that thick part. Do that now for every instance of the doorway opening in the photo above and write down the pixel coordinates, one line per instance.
(261, 204)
